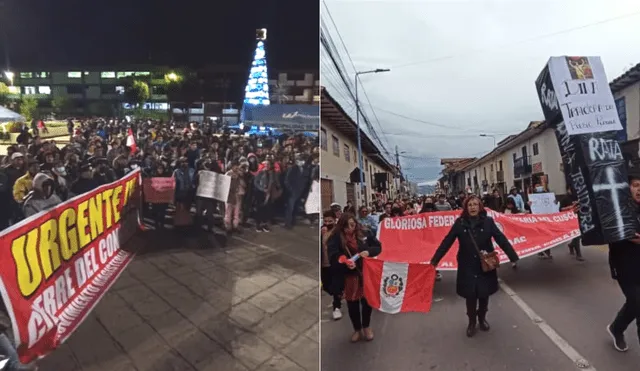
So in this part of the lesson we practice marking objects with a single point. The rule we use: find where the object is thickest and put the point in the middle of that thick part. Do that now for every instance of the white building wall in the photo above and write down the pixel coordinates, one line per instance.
(632, 102)
(338, 168)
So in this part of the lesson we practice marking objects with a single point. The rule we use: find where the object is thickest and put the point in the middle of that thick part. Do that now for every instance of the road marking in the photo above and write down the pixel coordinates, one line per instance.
(578, 360)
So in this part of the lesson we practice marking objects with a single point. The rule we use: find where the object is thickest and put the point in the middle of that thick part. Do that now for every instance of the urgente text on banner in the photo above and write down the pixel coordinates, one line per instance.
(55, 266)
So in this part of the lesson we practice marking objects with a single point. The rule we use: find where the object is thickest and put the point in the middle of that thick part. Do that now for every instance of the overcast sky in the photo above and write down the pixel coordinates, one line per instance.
(468, 65)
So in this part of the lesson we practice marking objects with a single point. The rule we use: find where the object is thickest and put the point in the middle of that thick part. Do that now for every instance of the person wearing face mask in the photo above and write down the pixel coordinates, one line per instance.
(538, 188)
(329, 219)
(233, 209)
(41, 197)
(474, 230)
(387, 212)
(85, 183)
(517, 198)
(428, 206)
(624, 262)
(295, 182)
(57, 173)
(367, 221)
(442, 204)
(185, 190)
(348, 238)
(24, 184)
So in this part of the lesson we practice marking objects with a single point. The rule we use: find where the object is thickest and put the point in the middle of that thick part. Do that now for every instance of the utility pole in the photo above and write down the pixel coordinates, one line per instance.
(363, 193)
(396, 177)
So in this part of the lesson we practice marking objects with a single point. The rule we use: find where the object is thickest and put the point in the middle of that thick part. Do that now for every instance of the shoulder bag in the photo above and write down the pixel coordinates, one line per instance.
(489, 260)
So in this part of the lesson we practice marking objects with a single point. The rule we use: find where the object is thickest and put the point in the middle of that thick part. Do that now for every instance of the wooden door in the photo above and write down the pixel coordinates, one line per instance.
(326, 190)
(351, 193)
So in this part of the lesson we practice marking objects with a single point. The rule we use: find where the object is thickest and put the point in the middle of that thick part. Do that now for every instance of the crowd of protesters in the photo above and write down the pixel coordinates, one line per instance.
(271, 175)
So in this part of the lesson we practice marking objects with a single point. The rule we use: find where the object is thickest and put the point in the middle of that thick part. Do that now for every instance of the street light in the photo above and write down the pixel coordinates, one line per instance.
(10, 75)
(173, 77)
(360, 160)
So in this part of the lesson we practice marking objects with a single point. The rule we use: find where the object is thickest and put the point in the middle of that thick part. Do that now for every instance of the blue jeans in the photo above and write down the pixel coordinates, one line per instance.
(8, 350)
(290, 213)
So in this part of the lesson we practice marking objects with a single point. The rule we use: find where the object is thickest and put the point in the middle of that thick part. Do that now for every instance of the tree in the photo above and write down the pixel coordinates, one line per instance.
(60, 104)
(28, 107)
(4, 94)
(137, 93)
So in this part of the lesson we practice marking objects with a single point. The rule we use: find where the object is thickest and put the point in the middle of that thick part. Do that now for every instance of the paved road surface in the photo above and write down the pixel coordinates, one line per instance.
(179, 306)
(576, 299)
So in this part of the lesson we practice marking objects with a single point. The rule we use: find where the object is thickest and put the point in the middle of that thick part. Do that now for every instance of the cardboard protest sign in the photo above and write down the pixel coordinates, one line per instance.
(213, 185)
(159, 190)
(577, 101)
(312, 205)
(543, 203)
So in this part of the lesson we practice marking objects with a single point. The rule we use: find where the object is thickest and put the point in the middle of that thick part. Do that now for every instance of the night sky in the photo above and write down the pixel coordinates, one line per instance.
(190, 33)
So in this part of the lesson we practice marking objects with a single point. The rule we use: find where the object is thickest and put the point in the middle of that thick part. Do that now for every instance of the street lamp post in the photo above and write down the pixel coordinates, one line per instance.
(360, 159)
(495, 166)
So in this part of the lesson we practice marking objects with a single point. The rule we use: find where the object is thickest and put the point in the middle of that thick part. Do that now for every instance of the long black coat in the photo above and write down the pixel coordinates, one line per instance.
(472, 282)
(338, 270)
(624, 261)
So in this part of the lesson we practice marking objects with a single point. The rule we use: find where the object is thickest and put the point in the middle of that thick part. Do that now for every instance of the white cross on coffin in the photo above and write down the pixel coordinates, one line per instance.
(613, 187)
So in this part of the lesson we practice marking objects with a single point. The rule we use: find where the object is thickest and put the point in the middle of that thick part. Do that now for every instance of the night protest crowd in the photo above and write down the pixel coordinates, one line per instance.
(270, 175)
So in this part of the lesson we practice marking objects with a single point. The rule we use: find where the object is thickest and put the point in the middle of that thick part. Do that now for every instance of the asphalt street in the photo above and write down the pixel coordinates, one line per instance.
(573, 300)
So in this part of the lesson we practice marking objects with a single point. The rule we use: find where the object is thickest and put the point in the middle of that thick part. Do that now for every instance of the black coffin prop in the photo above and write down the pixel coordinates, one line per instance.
(354, 177)
(595, 170)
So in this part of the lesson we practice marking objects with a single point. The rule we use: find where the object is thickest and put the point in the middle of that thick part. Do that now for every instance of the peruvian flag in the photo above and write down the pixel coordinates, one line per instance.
(131, 141)
(398, 287)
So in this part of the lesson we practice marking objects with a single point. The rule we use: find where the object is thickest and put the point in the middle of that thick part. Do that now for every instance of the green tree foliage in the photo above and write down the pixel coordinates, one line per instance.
(28, 107)
(4, 94)
(60, 104)
(137, 92)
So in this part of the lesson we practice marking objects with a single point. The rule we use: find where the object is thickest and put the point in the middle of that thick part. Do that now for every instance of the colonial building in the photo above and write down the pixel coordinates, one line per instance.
(294, 87)
(521, 160)
(626, 91)
(340, 177)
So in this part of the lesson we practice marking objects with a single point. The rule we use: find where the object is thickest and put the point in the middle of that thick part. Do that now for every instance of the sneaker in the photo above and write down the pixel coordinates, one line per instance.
(337, 314)
(618, 341)
(258, 229)
(266, 229)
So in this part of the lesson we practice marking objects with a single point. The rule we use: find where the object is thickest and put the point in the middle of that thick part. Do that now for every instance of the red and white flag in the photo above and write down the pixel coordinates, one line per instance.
(398, 287)
(131, 141)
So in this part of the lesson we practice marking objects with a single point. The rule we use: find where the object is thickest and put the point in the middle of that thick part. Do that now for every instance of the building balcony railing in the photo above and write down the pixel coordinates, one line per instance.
(522, 166)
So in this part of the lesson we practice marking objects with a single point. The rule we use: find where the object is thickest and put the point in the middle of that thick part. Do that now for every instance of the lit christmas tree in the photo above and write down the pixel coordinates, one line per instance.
(257, 91)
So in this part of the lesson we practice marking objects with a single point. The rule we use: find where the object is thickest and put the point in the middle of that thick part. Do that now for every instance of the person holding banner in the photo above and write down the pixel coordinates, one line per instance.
(477, 276)
(570, 202)
(346, 246)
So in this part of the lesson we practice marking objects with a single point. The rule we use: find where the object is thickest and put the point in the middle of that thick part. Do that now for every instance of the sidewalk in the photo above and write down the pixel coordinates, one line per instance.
(179, 306)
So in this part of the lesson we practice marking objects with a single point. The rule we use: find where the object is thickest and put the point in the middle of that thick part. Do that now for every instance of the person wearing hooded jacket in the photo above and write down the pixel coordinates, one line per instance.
(624, 262)
(41, 197)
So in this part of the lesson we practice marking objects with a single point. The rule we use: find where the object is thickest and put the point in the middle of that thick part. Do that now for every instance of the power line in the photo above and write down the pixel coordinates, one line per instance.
(329, 46)
(535, 38)
(433, 123)
(436, 136)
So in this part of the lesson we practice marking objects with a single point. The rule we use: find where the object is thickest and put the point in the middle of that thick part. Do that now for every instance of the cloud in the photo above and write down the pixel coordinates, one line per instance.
(481, 60)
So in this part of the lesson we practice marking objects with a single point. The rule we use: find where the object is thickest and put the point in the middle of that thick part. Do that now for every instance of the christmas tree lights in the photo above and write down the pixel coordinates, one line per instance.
(257, 89)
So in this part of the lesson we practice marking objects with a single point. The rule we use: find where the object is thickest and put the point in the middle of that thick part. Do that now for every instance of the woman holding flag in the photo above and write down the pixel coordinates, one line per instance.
(477, 278)
(346, 246)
